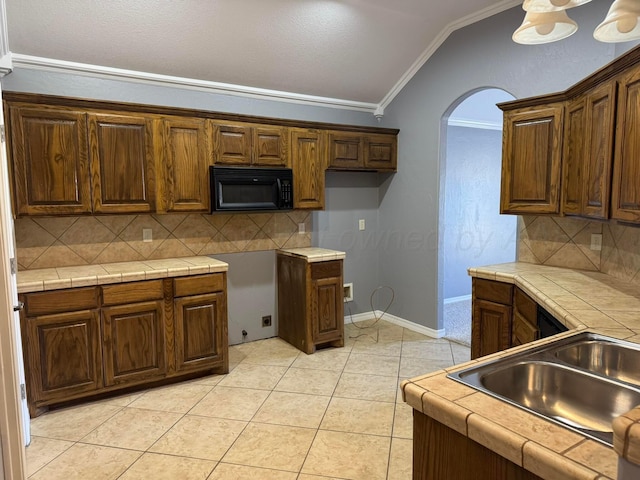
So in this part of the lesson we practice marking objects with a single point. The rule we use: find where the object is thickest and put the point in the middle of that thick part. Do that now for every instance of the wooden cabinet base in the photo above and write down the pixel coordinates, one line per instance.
(442, 453)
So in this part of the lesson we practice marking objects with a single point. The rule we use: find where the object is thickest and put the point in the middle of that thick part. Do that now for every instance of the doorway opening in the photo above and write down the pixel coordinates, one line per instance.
(472, 231)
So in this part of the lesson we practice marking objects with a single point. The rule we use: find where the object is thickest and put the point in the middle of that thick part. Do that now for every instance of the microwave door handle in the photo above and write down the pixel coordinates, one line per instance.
(279, 184)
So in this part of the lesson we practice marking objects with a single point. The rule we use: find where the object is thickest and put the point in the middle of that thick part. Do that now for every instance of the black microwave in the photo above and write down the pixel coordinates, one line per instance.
(238, 189)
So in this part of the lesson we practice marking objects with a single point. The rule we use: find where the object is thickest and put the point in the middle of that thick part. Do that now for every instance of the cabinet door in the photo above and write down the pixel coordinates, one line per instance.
(50, 161)
(346, 151)
(307, 158)
(380, 152)
(63, 355)
(187, 156)
(490, 328)
(625, 195)
(232, 144)
(531, 160)
(270, 146)
(122, 167)
(596, 175)
(327, 319)
(573, 157)
(134, 342)
(201, 333)
(523, 330)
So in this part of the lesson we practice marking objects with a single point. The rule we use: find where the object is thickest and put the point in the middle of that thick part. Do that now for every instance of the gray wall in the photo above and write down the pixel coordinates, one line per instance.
(474, 231)
(480, 55)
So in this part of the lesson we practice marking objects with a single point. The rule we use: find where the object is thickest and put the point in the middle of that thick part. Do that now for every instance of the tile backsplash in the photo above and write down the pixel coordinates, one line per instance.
(45, 242)
(565, 242)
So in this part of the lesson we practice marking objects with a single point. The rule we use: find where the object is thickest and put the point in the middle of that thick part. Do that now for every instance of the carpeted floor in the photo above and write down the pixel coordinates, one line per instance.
(457, 321)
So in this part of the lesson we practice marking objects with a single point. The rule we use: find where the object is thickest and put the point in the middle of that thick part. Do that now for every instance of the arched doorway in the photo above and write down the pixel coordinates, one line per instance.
(473, 232)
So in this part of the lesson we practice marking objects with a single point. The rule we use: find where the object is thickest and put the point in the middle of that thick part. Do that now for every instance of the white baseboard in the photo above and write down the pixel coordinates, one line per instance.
(462, 298)
(401, 322)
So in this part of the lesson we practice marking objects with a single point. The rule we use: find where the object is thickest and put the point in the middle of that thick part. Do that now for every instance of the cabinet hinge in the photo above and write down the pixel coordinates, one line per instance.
(23, 392)
(14, 266)
(2, 137)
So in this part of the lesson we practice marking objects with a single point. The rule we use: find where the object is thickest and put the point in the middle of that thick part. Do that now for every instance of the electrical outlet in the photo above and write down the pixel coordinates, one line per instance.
(147, 235)
(347, 292)
(596, 241)
(361, 224)
(266, 321)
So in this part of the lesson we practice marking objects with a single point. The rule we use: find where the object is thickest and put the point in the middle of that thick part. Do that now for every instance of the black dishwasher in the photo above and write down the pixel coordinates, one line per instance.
(547, 324)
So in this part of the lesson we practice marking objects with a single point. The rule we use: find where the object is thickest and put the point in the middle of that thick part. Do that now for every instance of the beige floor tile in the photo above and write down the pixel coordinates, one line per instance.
(303, 380)
(254, 376)
(230, 402)
(403, 421)
(461, 353)
(388, 348)
(226, 471)
(293, 409)
(273, 351)
(367, 387)
(42, 450)
(132, 428)
(410, 335)
(122, 400)
(304, 476)
(168, 467)
(359, 416)
(236, 356)
(82, 462)
(271, 446)
(200, 437)
(401, 459)
(412, 367)
(72, 423)
(326, 359)
(211, 380)
(178, 398)
(427, 349)
(372, 364)
(348, 455)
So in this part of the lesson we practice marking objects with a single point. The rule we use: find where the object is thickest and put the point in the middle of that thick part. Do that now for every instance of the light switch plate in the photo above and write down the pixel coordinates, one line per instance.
(361, 224)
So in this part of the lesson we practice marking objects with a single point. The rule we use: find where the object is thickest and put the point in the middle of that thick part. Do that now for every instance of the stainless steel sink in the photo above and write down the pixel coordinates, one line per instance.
(582, 382)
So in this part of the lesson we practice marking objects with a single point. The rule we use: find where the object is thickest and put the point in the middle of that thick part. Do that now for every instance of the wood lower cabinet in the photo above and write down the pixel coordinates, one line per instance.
(310, 302)
(525, 319)
(87, 341)
(531, 160)
(439, 452)
(491, 320)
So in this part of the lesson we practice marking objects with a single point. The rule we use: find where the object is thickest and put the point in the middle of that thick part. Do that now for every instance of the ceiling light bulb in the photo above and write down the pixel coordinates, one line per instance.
(621, 23)
(543, 6)
(544, 28)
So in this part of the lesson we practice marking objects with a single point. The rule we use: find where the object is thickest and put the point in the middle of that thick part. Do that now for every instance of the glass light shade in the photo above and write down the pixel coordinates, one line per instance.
(541, 6)
(621, 24)
(544, 28)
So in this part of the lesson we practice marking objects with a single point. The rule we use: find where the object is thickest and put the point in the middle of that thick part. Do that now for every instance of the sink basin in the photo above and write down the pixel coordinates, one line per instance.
(603, 357)
(581, 382)
(581, 400)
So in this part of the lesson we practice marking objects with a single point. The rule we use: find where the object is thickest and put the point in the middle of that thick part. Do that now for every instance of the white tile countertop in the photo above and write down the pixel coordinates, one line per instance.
(580, 300)
(88, 275)
(313, 254)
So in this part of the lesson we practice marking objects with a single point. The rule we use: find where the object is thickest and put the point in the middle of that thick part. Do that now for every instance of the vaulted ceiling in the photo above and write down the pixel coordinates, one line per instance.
(359, 51)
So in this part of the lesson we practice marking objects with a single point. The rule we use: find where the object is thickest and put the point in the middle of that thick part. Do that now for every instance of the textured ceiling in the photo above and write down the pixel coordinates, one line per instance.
(356, 50)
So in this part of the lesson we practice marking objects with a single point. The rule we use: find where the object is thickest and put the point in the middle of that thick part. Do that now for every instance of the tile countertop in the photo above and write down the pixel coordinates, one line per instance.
(313, 254)
(580, 300)
(88, 275)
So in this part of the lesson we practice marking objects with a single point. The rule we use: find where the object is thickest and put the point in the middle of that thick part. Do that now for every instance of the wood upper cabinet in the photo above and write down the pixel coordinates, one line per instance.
(49, 160)
(625, 197)
(531, 158)
(308, 163)
(354, 151)
(247, 144)
(122, 163)
(588, 152)
(186, 152)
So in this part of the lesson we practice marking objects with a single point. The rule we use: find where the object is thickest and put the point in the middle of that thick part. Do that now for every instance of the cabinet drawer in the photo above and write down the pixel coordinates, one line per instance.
(132, 292)
(326, 269)
(58, 301)
(200, 284)
(525, 306)
(497, 292)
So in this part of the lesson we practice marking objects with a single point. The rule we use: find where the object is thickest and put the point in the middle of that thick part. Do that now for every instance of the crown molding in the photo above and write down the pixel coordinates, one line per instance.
(439, 40)
(462, 122)
(98, 71)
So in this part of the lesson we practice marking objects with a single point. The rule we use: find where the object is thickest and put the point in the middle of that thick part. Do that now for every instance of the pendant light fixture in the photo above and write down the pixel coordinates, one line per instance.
(546, 21)
(621, 24)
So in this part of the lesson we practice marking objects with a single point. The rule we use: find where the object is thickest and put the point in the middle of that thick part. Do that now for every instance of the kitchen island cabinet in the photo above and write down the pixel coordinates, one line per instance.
(85, 341)
(310, 301)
